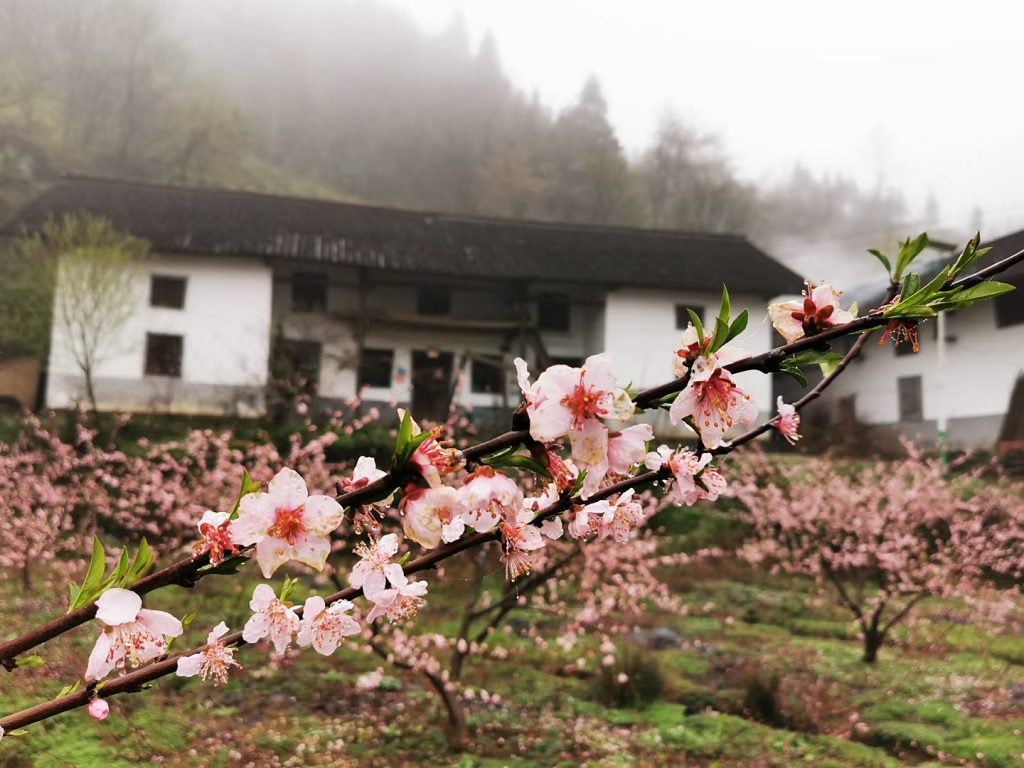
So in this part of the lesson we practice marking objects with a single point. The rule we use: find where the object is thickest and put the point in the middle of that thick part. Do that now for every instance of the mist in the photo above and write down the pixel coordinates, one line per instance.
(355, 101)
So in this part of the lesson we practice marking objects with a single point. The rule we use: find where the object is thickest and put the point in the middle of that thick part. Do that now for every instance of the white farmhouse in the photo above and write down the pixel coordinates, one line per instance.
(410, 307)
(962, 383)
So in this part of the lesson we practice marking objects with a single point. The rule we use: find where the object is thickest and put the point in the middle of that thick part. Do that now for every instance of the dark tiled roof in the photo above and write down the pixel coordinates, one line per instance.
(870, 295)
(1005, 246)
(207, 221)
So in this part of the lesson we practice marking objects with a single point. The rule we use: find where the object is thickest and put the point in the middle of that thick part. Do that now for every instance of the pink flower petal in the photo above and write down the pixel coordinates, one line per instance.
(288, 490)
(118, 606)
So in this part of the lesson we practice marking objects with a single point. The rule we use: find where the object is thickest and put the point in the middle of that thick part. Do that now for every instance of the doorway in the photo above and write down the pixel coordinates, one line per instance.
(431, 384)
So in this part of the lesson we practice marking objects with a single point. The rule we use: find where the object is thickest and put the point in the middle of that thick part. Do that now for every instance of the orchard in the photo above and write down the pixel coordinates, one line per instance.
(339, 554)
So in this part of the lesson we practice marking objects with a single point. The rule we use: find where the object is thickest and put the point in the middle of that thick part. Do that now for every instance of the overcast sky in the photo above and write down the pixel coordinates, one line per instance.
(925, 95)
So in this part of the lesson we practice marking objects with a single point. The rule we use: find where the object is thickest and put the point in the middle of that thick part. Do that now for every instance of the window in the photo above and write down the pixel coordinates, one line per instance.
(297, 363)
(309, 292)
(375, 368)
(434, 300)
(911, 408)
(683, 317)
(1009, 309)
(165, 291)
(553, 312)
(163, 355)
(487, 376)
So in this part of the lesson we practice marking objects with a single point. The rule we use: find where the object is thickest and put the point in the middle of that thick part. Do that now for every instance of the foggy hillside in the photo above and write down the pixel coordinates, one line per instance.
(350, 99)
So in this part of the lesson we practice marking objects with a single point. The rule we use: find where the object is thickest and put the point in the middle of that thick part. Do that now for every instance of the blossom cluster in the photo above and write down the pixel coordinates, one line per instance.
(577, 445)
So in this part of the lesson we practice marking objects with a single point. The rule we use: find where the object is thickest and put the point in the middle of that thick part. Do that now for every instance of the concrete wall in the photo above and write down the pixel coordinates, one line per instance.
(982, 365)
(225, 325)
(642, 337)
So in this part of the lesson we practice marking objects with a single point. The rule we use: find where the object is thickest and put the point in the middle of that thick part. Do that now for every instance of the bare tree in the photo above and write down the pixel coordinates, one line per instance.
(96, 272)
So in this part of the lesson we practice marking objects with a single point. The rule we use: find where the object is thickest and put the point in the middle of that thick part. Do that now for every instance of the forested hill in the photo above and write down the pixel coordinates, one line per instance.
(350, 99)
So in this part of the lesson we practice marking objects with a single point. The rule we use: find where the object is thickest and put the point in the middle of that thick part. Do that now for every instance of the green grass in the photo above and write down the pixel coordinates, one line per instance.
(949, 688)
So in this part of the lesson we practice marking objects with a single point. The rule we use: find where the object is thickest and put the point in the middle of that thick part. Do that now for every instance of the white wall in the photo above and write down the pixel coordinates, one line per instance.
(641, 335)
(226, 328)
(982, 365)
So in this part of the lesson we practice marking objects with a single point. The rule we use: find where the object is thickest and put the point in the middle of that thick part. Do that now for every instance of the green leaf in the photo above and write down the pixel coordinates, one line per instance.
(405, 558)
(30, 662)
(882, 258)
(578, 485)
(90, 585)
(140, 565)
(962, 298)
(287, 588)
(119, 571)
(248, 486)
(912, 284)
(227, 567)
(518, 461)
(69, 688)
(402, 449)
(970, 254)
(816, 357)
(738, 326)
(793, 369)
(910, 249)
(699, 326)
(721, 323)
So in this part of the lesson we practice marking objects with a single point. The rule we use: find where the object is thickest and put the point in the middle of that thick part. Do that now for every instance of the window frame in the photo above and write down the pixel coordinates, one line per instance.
(172, 287)
(309, 292)
(683, 317)
(153, 360)
(563, 309)
(476, 366)
(361, 369)
(908, 388)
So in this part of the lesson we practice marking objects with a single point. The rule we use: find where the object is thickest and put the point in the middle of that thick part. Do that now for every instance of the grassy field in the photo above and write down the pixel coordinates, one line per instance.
(767, 674)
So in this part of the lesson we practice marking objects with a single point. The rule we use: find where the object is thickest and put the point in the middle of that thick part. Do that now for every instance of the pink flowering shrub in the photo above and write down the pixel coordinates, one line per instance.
(883, 536)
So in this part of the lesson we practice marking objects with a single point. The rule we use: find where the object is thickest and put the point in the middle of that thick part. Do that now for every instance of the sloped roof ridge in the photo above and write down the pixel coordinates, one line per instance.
(411, 212)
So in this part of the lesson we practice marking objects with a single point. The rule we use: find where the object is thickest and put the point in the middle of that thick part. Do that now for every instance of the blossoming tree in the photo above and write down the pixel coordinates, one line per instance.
(884, 537)
(452, 501)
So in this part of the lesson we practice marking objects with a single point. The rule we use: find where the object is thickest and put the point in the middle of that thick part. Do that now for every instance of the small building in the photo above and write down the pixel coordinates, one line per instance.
(895, 391)
(400, 306)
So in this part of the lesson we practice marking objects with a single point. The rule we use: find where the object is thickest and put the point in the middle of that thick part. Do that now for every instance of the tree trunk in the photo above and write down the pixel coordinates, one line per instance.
(872, 642)
(457, 730)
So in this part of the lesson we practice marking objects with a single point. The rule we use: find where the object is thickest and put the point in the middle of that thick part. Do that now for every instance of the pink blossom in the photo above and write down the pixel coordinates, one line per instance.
(619, 518)
(686, 466)
(788, 422)
(132, 633)
(368, 573)
(713, 401)
(691, 347)
(98, 709)
(817, 311)
(490, 496)
(625, 448)
(563, 471)
(572, 401)
(655, 460)
(271, 618)
(365, 472)
(216, 530)
(286, 523)
(520, 540)
(433, 457)
(433, 515)
(324, 627)
(213, 661)
(402, 601)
